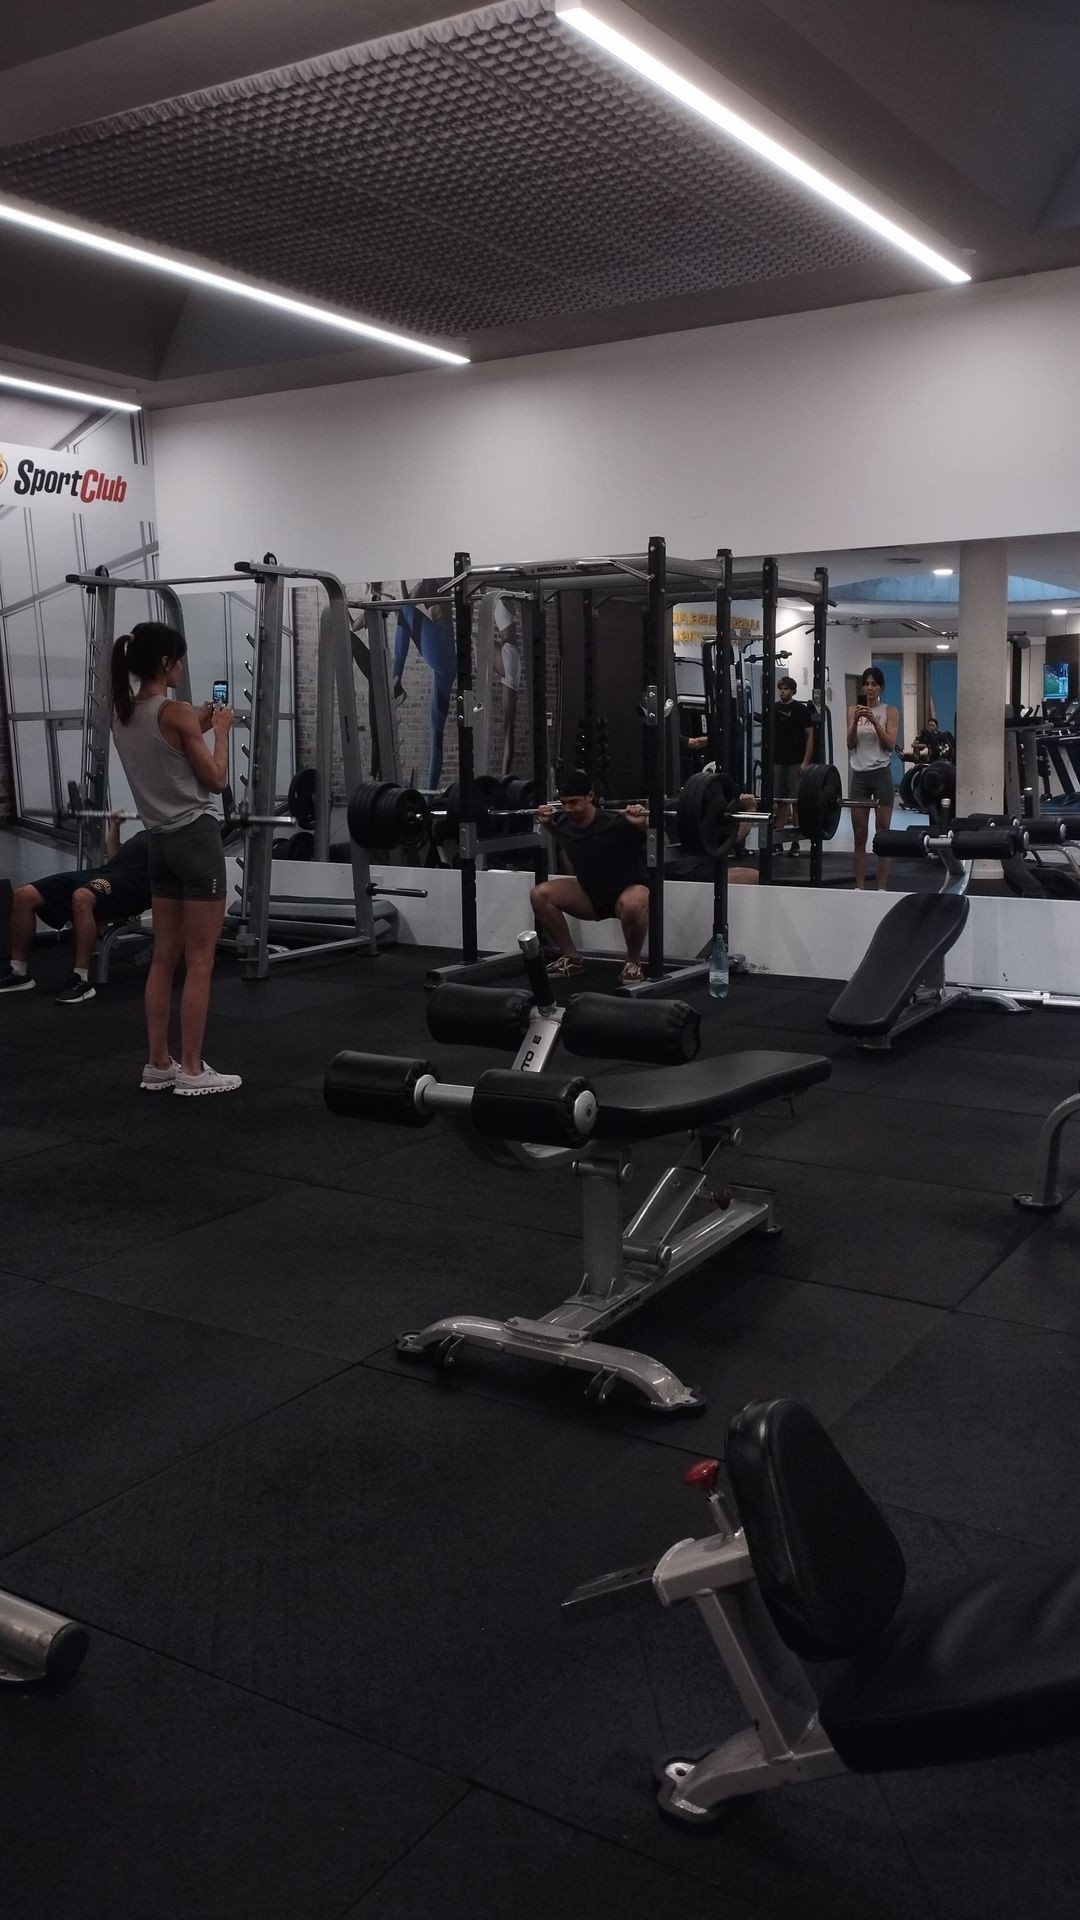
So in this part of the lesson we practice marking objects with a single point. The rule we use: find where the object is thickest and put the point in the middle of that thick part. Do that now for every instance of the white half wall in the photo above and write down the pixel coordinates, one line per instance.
(951, 414)
(817, 933)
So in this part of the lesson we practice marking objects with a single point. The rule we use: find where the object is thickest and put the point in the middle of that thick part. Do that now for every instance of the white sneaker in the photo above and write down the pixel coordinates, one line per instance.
(159, 1079)
(205, 1082)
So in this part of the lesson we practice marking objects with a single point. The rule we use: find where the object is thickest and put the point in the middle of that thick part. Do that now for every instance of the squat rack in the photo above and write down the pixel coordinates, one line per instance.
(768, 585)
(654, 580)
(248, 923)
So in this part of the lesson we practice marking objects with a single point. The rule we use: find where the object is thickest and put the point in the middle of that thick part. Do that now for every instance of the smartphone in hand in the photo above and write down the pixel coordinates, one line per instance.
(220, 694)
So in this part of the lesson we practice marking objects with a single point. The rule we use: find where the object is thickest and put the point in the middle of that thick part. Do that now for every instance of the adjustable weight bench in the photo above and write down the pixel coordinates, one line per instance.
(900, 980)
(526, 1117)
(803, 1566)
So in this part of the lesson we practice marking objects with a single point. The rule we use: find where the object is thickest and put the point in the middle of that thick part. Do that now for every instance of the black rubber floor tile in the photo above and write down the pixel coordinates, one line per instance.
(98, 1397)
(939, 1241)
(286, 993)
(951, 1147)
(732, 1343)
(489, 1857)
(980, 1423)
(387, 1557)
(143, 1788)
(1049, 1032)
(1037, 1283)
(111, 1023)
(969, 1077)
(335, 1273)
(285, 1133)
(17, 1142)
(995, 1840)
(652, 1686)
(69, 1094)
(66, 1210)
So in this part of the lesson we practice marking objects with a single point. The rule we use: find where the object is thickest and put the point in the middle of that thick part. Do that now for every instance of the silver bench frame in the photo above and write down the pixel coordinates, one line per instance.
(623, 1268)
(784, 1741)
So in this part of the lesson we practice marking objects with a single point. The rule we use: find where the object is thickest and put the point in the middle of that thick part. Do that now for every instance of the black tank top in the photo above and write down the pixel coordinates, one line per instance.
(607, 856)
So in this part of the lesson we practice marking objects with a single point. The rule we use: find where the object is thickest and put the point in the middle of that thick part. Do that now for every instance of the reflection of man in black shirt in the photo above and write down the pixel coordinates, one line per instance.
(604, 875)
(87, 897)
(793, 750)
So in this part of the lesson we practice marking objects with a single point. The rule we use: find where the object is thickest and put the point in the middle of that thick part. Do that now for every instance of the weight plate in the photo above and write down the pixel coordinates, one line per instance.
(299, 846)
(450, 805)
(302, 797)
(820, 803)
(936, 786)
(487, 793)
(360, 813)
(703, 815)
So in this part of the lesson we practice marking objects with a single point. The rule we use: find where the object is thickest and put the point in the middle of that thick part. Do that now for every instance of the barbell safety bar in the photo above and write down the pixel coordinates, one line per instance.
(238, 821)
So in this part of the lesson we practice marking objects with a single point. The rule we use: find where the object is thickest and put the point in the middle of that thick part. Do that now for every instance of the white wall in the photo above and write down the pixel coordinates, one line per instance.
(952, 414)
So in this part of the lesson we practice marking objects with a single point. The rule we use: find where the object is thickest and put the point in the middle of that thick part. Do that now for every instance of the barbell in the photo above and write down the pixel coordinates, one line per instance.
(239, 821)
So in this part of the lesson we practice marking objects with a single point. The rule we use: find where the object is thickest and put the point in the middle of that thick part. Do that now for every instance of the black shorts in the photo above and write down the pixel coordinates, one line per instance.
(189, 862)
(604, 901)
(117, 896)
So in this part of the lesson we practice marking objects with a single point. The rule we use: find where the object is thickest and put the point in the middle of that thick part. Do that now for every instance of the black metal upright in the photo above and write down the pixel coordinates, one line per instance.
(655, 693)
(588, 702)
(721, 720)
(819, 696)
(462, 615)
(770, 594)
(541, 744)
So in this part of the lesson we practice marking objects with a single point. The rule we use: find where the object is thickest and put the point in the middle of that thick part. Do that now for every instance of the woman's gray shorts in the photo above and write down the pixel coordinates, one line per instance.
(872, 787)
(189, 862)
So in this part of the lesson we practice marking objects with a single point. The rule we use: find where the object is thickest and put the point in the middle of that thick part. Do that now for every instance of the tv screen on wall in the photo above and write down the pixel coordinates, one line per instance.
(1056, 680)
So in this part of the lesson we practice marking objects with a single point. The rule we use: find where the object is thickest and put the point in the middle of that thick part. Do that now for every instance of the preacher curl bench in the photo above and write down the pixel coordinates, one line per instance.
(803, 1566)
(526, 1117)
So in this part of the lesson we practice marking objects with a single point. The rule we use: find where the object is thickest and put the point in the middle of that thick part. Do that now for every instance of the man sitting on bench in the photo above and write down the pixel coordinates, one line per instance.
(602, 856)
(87, 897)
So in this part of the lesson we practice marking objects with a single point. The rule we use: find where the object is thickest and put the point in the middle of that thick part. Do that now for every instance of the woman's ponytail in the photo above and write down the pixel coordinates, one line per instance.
(122, 703)
(149, 648)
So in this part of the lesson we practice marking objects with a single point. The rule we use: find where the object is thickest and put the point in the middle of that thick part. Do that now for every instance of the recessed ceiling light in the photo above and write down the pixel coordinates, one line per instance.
(943, 573)
(69, 393)
(597, 29)
(1058, 611)
(17, 216)
(943, 647)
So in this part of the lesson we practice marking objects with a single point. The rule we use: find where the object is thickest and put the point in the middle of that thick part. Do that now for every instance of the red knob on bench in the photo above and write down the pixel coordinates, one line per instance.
(702, 1475)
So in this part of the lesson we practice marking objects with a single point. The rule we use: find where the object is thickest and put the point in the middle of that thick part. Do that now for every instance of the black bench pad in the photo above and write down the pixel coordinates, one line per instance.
(966, 1669)
(639, 1106)
(915, 933)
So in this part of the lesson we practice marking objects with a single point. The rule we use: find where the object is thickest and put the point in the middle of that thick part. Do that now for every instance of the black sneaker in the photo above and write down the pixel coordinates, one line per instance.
(77, 990)
(11, 982)
(794, 852)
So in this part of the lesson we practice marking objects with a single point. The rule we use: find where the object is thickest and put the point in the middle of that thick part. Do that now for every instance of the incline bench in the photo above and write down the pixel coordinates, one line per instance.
(900, 980)
(803, 1566)
(526, 1117)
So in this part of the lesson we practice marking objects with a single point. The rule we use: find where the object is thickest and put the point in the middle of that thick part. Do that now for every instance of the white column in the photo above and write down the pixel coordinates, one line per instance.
(981, 676)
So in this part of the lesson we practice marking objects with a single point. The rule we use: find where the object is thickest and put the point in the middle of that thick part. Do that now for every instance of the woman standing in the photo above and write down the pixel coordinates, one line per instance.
(871, 737)
(173, 775)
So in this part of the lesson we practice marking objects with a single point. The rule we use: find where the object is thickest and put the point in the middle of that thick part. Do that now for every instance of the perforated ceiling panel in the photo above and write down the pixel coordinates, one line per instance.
(487, 171)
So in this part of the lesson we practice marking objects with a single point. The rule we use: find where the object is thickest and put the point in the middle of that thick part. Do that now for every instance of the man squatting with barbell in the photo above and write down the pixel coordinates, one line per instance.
(604, 875)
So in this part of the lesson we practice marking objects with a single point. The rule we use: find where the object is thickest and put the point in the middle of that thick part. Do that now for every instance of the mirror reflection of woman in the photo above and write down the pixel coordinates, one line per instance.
(427, 624)
(872, 728)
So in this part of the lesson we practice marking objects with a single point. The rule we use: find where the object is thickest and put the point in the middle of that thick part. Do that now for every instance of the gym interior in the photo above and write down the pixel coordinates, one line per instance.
(583, 1418)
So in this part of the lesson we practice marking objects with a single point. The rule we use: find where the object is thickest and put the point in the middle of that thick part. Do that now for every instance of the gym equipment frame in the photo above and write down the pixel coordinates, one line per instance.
(689, 1216)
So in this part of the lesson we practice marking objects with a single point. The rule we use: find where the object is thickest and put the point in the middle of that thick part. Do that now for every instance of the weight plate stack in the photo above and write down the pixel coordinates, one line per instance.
(302, 797)
(703, 815)
(820, 804)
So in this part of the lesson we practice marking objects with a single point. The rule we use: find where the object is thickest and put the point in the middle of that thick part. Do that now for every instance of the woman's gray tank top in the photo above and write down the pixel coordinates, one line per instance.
(167, 790)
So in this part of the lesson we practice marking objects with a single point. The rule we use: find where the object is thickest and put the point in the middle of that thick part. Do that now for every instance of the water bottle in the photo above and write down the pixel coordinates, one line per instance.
(718, 969)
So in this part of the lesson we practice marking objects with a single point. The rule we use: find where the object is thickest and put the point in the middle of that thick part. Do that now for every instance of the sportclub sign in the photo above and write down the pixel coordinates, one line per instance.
(36, 476)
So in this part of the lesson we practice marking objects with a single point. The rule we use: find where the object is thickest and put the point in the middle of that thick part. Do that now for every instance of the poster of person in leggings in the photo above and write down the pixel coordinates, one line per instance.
(427, 625)
(509, 669)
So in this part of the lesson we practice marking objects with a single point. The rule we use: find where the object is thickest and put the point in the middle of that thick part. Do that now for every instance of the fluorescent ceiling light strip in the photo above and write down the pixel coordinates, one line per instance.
(669, 81)
(69, 393)
(220, 283)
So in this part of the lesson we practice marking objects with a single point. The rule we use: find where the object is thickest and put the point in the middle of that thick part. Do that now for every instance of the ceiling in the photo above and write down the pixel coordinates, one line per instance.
(494, 184)
(893, 585)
